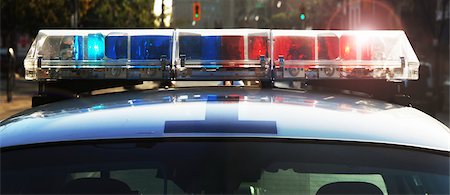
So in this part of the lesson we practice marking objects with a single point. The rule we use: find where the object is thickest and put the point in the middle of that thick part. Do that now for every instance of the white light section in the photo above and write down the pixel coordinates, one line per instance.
(278, 4)
(157, 8)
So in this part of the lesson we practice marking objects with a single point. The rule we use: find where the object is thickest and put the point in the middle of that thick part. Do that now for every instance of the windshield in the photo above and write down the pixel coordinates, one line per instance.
(243, 166)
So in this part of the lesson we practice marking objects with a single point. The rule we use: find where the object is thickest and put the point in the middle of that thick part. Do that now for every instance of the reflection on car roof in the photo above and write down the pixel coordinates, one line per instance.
(225, 112)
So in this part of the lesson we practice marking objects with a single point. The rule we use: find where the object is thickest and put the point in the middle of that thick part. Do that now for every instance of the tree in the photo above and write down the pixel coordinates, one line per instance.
(117, 14)
(31, 15)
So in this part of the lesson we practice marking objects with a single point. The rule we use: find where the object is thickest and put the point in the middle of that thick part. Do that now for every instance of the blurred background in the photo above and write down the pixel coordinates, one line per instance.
(426, 23)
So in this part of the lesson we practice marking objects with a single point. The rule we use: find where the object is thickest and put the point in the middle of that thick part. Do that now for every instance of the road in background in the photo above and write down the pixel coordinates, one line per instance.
(22, 93)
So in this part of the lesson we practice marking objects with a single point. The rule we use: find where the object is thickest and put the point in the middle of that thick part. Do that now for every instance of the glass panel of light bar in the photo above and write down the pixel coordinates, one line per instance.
(100, 54)
(222, 54)
(316, 54)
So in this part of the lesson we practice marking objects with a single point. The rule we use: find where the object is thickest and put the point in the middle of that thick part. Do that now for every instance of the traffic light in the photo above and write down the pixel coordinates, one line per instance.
(302, 15)
(196, 10)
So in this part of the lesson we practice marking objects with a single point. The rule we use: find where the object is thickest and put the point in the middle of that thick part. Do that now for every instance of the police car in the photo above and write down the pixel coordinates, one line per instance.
(224, 139)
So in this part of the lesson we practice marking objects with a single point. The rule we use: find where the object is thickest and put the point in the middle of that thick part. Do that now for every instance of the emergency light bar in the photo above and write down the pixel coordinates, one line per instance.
(220, 54)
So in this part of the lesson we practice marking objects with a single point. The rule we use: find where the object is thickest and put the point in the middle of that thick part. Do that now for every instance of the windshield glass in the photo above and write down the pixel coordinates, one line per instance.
(217, 167)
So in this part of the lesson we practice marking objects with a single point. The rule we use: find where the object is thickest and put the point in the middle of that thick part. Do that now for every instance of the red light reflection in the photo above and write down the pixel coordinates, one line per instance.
(257, 46)
(348, 47)
(294, 48)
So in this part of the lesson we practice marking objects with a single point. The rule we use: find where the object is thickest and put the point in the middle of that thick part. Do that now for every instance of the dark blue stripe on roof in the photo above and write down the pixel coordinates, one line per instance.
(259, 127)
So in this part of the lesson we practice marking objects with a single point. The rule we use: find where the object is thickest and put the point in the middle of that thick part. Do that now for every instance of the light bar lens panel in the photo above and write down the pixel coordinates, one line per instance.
(150, 47)
(100, 54)
(116, 46)
(311, 54)
(217, 54)
(96, 46)
(200, 48)
(231, 45)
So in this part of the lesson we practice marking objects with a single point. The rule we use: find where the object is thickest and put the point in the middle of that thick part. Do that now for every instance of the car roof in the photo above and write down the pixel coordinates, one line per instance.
(226, 112)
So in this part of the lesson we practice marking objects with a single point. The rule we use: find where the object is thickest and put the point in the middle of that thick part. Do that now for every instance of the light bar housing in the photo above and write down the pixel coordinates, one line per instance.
(220, 54)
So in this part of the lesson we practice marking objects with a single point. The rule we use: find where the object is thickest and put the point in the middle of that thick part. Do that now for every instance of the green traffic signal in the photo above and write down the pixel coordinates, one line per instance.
(302, 16)
(196, 11)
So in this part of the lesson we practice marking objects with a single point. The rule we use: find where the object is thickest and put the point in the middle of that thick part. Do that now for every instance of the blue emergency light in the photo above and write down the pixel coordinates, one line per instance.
(116, 46)
(150, 47)
(200, 48)
(78, 48)
(95, 46)
(220, 54)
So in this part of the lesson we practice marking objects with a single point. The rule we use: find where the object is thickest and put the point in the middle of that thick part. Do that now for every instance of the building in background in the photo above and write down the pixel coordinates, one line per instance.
(214, 14)
(162, 9)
